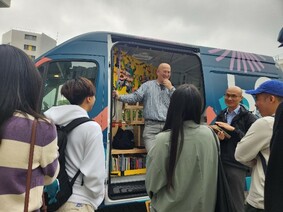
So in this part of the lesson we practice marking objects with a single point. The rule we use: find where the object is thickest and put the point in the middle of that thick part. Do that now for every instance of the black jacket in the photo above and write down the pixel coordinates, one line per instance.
(273, 190)
(242, 122)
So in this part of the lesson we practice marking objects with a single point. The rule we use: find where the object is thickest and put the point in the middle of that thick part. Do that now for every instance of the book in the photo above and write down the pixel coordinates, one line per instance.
(217, 129)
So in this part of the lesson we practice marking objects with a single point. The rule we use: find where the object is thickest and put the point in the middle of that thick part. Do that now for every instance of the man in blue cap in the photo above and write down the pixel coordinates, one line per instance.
(253, 149)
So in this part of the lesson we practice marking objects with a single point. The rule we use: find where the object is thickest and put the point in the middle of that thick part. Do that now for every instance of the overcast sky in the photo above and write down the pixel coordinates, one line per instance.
(242, 25)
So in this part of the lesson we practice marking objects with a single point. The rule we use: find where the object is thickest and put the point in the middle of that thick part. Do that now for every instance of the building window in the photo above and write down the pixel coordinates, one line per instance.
(32, 57)
(30, 37)
(29, 47)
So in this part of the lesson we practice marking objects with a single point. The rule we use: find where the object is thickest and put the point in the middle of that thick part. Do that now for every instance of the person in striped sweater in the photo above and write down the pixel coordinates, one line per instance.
(20, 88)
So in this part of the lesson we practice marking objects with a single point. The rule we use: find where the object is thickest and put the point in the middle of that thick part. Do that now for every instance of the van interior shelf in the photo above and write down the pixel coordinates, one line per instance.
(129, 151)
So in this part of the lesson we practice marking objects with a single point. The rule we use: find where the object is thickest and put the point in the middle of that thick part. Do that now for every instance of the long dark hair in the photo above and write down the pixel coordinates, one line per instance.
(185, 104)
(20, 85)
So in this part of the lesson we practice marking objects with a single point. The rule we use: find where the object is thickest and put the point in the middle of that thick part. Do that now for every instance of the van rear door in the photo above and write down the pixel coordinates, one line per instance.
(133, 62)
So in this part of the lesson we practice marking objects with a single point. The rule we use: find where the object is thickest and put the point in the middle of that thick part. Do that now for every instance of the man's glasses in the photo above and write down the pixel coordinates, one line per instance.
(232, 96)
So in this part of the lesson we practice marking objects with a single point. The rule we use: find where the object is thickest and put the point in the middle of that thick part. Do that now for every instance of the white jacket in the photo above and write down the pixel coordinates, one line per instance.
(256, 140)
(84, 151)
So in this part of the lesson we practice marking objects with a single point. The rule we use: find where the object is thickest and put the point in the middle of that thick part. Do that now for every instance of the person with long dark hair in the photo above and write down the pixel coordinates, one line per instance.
(182, 166)
(20, 89)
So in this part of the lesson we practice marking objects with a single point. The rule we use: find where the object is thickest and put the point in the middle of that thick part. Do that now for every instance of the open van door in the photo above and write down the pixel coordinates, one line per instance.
(133, 62)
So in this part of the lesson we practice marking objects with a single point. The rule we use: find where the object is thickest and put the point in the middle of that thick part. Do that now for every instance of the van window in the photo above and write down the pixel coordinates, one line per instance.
(57, 73)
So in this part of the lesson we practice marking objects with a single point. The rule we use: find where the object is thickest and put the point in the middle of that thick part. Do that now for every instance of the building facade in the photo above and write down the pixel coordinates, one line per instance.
(5, 3)
(34, 44)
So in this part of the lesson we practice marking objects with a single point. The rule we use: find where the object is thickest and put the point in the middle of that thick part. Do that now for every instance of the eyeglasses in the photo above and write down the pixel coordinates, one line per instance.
(233, 96)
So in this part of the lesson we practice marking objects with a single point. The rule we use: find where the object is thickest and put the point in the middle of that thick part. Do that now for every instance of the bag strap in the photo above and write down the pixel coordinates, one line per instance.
(263, 162)
(75, 177)
(216, 141)
(68, 128)
(76, 122)
(29, 173)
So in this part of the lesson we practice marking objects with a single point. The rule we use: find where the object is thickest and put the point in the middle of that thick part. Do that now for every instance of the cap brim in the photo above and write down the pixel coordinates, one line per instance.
(280, 45)
(252, 92)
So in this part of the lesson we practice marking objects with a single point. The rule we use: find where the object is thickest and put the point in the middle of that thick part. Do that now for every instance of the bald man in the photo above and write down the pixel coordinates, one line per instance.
(235, 120)
(155, 95)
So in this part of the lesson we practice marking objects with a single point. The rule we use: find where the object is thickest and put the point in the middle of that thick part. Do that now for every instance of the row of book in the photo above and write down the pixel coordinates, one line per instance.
(128, 162)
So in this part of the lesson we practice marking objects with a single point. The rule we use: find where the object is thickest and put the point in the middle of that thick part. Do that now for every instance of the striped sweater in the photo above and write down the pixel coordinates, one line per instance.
(14, 157)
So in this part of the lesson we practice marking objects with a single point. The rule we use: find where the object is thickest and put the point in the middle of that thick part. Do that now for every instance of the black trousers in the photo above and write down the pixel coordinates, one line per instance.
(236, 179)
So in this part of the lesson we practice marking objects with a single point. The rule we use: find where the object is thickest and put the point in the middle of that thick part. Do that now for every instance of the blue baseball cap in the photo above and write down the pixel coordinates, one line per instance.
(273, 87)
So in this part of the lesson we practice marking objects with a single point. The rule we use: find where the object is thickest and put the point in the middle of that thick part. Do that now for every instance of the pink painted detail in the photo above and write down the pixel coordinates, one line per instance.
(211, 51)
(256, 65)
(101, 118)
(238, 61)
(257, 61)
(244, 62)
(232, 60)
(41, 61)
(248, 60)
(223, 55)
(210, 115)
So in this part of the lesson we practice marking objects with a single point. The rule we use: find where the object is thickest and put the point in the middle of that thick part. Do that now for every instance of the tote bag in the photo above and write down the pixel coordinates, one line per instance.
(224, 201)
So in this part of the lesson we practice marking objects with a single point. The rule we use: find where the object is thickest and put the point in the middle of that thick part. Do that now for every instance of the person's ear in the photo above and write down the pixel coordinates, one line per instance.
(88, 99)
(272, 98)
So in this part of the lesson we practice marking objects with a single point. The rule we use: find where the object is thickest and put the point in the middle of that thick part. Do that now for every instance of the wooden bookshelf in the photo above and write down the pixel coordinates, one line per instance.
(131, 114)
(128, 151)
(129, 172)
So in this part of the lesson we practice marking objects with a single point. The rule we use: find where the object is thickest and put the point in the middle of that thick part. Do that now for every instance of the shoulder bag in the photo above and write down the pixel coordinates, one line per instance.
(224, 201)
(29, 173)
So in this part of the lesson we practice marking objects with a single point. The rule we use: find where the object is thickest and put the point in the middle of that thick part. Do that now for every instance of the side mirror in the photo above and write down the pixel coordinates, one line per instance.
(280, 37)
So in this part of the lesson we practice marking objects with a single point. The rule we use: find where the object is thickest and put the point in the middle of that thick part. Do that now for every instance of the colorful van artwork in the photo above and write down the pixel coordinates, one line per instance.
(123, 62)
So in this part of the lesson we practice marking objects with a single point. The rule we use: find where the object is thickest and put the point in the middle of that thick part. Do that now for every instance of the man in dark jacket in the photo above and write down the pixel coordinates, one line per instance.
(273, 190)
(235, 120)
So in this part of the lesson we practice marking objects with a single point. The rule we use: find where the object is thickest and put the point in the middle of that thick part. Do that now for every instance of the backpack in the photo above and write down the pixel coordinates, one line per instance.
(61, 189)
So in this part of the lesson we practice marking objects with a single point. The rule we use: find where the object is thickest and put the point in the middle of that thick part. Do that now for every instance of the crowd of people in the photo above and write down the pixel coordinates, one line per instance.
(182, 158)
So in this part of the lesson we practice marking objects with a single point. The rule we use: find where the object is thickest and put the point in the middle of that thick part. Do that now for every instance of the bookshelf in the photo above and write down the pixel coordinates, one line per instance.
(128, 151)
(128, 162)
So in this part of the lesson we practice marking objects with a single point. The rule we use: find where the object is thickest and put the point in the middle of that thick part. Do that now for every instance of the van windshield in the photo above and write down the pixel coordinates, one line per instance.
(58, 72)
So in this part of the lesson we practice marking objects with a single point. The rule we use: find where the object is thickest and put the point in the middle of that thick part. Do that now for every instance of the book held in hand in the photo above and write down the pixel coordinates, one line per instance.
(217, 129)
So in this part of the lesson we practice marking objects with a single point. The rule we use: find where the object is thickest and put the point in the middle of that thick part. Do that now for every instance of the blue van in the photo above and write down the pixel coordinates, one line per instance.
(124, 62)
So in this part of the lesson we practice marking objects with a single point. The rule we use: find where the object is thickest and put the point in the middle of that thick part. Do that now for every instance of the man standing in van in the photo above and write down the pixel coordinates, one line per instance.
(235, 120)
(155, 95)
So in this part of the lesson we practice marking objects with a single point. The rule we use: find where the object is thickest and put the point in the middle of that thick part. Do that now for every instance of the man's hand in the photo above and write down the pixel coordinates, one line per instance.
(221, 135)
(225, 126)
(167, 83)
(115, 94)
